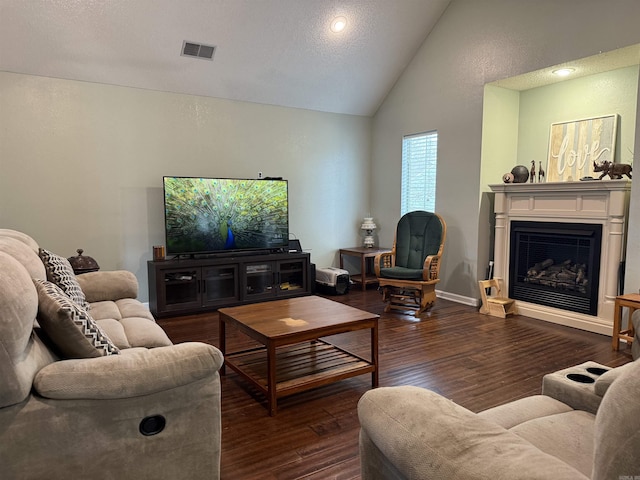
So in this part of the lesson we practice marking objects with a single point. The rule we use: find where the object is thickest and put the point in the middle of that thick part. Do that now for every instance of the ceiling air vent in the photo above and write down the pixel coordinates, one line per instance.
(198, 50)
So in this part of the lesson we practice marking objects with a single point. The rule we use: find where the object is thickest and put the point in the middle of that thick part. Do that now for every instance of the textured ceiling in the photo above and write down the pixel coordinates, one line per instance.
(278, 52)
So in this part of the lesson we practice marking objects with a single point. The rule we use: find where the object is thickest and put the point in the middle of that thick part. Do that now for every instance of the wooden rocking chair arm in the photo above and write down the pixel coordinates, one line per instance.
(431, 270)
(383, 260)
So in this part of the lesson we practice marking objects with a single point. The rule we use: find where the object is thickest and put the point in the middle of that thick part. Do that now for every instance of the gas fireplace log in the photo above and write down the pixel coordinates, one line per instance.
(567, 275)
(564, 276)
(538, 267)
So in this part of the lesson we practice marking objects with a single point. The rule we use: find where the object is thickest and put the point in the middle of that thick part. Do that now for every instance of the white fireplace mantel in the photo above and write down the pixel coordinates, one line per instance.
(604, 202)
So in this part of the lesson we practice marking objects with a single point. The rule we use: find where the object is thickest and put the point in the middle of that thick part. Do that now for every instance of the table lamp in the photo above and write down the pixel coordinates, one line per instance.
(368, 226)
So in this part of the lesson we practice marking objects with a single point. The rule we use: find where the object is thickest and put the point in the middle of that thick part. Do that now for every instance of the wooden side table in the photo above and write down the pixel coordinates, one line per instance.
(366, 275)
(632, 302)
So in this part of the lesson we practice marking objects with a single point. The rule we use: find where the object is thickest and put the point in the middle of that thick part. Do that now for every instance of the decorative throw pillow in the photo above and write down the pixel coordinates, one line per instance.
(69, 326)
(59, 271)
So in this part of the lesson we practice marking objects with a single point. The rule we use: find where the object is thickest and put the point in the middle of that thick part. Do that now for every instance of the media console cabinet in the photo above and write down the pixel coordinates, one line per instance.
(192, 285)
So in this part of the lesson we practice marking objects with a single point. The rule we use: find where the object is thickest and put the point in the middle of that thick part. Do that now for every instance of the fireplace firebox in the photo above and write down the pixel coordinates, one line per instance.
(556, 264)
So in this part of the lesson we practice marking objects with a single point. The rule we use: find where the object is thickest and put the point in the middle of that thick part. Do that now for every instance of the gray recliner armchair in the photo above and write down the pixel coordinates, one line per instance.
(413, 433)
(137, 412)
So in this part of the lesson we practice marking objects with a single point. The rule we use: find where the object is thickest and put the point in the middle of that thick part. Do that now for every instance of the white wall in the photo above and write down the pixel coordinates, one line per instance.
(475, 43)
(82, 164)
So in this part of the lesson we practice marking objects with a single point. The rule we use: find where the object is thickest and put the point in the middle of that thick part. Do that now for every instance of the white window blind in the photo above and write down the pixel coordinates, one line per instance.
(419, 159)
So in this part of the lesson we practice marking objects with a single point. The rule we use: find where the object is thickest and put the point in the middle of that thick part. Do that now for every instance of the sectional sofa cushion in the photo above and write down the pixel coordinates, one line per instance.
(69, 326)
(59, 271)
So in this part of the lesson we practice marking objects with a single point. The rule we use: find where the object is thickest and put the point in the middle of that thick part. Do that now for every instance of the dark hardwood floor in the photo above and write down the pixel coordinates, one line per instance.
(475, 360)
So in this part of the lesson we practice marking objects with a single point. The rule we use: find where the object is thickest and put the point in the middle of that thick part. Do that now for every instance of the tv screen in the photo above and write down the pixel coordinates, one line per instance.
(209, 215)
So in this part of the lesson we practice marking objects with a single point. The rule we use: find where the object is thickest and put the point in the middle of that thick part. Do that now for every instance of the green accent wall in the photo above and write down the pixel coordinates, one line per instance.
(516, 125)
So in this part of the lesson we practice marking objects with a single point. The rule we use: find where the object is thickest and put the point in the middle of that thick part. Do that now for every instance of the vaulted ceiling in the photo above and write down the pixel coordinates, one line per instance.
(277, 52)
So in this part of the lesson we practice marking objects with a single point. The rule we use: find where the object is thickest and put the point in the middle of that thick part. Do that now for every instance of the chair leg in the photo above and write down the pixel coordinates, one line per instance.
(418, 300)
(398, 299)
(427, 299)
(386, 298)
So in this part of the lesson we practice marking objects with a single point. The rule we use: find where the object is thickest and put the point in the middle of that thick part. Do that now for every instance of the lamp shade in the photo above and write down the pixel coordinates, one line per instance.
(368, 225)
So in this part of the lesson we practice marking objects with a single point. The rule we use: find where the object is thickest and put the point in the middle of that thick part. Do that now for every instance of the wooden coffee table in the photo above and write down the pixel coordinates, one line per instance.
(290, 336)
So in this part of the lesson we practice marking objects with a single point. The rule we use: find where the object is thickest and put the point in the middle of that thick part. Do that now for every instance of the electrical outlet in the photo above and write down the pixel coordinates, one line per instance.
(259, 174)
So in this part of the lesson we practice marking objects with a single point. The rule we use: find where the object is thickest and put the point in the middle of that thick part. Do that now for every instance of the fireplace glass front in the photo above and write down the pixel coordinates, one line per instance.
(556, 264)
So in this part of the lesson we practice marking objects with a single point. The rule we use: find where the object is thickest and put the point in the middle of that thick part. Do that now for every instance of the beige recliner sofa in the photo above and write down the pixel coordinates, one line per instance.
(413, 433)
(151, 411)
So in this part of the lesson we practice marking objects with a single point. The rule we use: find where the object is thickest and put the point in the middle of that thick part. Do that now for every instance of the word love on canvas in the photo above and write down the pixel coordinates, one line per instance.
(568, 158)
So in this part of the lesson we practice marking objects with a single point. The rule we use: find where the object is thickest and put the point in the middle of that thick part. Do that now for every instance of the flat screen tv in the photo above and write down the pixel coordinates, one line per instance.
(215, 215)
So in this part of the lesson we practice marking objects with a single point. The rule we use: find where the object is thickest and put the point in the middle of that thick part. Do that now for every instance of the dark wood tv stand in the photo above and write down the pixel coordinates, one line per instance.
(192, 285)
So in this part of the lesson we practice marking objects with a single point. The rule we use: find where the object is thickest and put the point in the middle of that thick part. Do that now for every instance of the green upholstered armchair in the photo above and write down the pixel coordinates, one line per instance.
(409, 273)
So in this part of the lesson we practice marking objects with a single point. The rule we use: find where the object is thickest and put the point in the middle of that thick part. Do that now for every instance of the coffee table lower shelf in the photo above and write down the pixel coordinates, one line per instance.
(299, 367)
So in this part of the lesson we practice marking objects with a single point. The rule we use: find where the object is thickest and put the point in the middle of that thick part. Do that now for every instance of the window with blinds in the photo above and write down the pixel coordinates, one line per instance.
(419, 159)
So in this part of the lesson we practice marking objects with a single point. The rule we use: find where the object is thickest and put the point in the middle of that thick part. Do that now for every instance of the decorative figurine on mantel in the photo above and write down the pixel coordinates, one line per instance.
(540, 174)
(614, 170)
(532, 173)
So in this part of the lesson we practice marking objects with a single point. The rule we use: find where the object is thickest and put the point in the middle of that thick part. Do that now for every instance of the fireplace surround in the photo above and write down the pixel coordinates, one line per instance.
(583, 212)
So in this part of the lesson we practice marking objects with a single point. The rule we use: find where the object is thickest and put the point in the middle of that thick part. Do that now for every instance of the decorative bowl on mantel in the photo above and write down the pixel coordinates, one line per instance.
(520, 174)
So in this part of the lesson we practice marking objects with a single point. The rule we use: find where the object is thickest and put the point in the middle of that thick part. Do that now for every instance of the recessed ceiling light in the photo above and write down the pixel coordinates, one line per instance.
(563, 72)
(338, 24)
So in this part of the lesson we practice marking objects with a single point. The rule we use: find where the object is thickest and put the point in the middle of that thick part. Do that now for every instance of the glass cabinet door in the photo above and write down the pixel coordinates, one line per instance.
(220, 284)
(292, 277)
(181, 288)
(259, 280)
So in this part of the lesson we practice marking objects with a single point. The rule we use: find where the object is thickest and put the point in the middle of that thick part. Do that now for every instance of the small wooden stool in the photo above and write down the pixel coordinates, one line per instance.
(632, 302)
(496, 306)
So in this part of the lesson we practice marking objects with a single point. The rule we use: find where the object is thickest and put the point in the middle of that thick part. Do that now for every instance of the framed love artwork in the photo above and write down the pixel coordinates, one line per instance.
(575, 145)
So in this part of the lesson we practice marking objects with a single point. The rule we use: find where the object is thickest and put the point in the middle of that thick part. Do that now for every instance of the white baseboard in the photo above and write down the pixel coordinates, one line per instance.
(454, 297)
